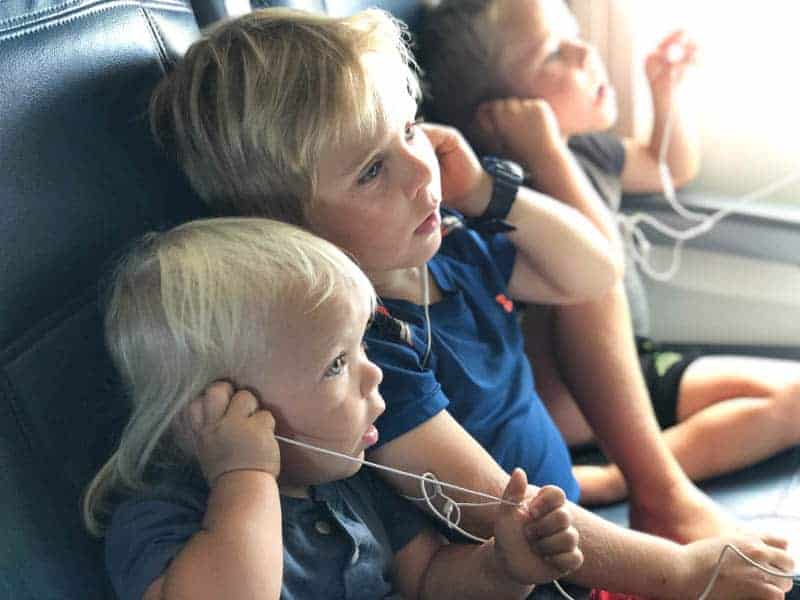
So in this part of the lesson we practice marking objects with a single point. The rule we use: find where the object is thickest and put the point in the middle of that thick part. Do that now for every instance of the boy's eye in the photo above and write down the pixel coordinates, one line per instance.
(411, 128)
(336, 367)
(371, 172)
(553, 55)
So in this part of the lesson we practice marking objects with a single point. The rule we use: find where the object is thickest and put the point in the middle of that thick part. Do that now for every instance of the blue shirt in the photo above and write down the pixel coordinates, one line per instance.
(338, 544)
(477, 368)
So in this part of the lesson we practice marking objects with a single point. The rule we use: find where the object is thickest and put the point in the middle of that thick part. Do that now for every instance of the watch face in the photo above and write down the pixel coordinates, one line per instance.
(507, 169)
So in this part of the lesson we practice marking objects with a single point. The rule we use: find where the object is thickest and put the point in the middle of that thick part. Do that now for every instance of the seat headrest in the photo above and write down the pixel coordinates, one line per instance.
(409, 11)
(81, 177)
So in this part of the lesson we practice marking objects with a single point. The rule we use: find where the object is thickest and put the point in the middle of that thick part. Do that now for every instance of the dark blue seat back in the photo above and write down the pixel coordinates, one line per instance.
(80, 178)
(409, 11)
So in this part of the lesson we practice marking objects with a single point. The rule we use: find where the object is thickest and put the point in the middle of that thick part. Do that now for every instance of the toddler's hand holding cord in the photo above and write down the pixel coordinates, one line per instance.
(535, 541)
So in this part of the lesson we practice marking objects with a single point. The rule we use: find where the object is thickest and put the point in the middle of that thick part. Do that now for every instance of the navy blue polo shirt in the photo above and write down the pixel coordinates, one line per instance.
(338, 544)
(477, 368)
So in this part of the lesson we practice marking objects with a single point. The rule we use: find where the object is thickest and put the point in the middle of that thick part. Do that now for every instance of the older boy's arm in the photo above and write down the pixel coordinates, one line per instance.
(526, 130)
(665, 68)
(562, 257)
(441, 446)
(239, 552)
(615, 558)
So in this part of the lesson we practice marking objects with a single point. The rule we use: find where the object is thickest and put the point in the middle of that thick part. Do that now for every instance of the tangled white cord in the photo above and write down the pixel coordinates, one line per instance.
(452, 510)
(632, 231)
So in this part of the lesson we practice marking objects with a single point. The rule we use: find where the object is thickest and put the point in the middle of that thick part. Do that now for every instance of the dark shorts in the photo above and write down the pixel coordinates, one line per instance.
(663, 372)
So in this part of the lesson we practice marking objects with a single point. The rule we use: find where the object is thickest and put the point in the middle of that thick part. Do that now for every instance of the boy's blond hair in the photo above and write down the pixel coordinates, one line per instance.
(462, 58)
(258, 101)
(198, 304)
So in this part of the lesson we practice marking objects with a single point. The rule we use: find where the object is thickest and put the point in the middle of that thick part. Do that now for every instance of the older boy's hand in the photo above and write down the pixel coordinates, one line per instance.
(466, 187)
(523, 129)
(536, 542)
(737, 578)
(231, 432)
(666, 65)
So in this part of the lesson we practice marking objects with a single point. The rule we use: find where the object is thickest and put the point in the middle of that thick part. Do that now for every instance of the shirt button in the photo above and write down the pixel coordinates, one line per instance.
(323, 527)
(355, 556)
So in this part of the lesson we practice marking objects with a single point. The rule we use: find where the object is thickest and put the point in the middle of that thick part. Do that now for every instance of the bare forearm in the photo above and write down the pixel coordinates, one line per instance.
(469, 572)
(441, 446)
(623, 560)
(555, 172)
(683, 150)
(561, 250)
(239, 552)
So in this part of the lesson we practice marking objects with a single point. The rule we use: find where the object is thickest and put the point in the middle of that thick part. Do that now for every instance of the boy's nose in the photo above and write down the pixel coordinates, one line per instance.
(578, 52)
(373, 375)
(418, 172)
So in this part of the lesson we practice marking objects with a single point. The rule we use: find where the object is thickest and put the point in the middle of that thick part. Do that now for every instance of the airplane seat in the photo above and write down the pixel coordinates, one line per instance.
(81, 177)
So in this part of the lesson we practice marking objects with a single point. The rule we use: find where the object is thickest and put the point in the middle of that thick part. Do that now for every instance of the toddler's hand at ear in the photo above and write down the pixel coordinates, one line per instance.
(535, 541)
(231, 432)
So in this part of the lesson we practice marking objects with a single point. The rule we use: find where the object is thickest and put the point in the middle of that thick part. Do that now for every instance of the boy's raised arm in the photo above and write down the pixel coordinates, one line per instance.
(665, 68)
(562, 256)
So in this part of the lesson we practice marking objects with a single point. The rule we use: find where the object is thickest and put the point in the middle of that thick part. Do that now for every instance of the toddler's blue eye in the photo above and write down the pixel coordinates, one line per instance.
(337, 366)
(371, 173)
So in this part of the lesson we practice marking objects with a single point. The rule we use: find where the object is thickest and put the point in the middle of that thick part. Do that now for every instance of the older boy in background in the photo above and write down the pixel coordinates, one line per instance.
(530, 88)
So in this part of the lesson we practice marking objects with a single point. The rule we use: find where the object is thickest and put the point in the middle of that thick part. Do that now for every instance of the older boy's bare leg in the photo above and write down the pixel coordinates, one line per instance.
(537, 327)
(748, 406)
(723, 401)
(598, 359)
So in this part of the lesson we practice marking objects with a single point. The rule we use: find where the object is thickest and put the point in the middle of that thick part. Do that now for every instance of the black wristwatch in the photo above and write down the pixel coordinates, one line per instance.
(508, 176)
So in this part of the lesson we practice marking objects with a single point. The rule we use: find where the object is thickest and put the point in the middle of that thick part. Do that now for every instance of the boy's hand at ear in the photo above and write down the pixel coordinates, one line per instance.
(466, 186)
(535, 542)
(666, 65)
(231, 432)
(523, 129)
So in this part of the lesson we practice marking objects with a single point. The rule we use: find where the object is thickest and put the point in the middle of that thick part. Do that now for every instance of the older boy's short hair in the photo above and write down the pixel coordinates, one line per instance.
(258, 100)
(461, 52)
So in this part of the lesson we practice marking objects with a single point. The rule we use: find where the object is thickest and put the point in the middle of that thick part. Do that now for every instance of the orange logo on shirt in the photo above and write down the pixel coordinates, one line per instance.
(503, 301)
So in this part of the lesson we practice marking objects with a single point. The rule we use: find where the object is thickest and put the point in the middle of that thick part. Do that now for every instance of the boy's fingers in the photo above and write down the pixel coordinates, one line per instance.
(780, 561)
(484, 118)
(775, 541)
(220, 388)
(568, 561)
(443, 139)
(243, 404)
(562, 542)
(195, 411)
(215, 402)
(549, 498)
(676, 37)
(549, 524)
(266, 419)
(517, 485)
